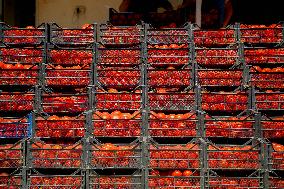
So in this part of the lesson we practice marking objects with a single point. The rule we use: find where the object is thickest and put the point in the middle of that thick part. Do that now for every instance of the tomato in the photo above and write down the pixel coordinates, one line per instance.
(177, 173)
(187, 173)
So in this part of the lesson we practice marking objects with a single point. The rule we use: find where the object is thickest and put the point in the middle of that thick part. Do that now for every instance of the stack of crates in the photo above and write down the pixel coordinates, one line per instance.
(21, 56)
(174, 150)
(232, 156)
(55, 155)
(115, 129)
(263, 54)
(141, 107)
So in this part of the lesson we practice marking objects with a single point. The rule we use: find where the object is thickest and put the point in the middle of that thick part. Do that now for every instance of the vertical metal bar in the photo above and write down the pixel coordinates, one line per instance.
(257, 126)
(201, 125)
(38, 99)
(87, 178)
(265, 163)
(145, 110)
(197, 91)
(203, 163)
(252, 99)
(238, 34)
(32, 123)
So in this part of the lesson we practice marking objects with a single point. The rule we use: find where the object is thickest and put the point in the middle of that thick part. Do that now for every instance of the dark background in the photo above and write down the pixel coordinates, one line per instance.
(22, 12)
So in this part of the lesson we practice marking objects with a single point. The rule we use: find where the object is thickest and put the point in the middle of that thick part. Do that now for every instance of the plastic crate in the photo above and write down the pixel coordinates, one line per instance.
(233, 157)
(220, 78)
(10, 181)
(272, 127)
(264, 56)
(72, 37)
(67, 102)
(122, 78)
(70, 57)
(109, 101)
(276, 157)
(36, 181)
(171, 55)
(120, 35)
(116, 125)
(171, 101)
(174, 156)
(115, 156)
(123, 57)
(115, 181)
(11, 155)
(68, 76)
(63, 156)
(276, 182)
(229, 127)
(20, 66)
(261, 34)
(60, 127)
(170, 182)
(224, 101)
(217, 182)
(168, 36)
(15, 127)
(269, 101)
(221, 57)
(16, 101)
(267, 80)
(169, 78)
(172, 125)
(28, 36)
(221, 37)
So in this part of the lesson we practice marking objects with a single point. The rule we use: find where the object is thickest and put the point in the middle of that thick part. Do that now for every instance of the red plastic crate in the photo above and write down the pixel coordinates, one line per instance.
(214, 37)
(229, 127)
(16, 101)
(180, 125)
(235, 157)
(116, 156)
(55, 181)
(166, 156)
(70, 57)
(269, 101)
(57, 102)
(261, 34)
(119, 57)
(273, 127)
(60, 127)
(173, 55)
(221, 101)
(169, 78)
(171, 101)
(46, 155)
(214, 77)
(118, 101)
(115, 181)
(71, 36)
(120, 35)
(212, 57)
(261, 56)
(28, 36)
(10, 181)
(11, 155)
(116, 125)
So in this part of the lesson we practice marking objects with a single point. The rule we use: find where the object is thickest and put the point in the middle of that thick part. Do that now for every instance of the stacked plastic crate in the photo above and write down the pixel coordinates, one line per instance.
(232, 156)
(55, 155)
(174, 150)
(115, 128)
(21, 56)
(263, 53)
